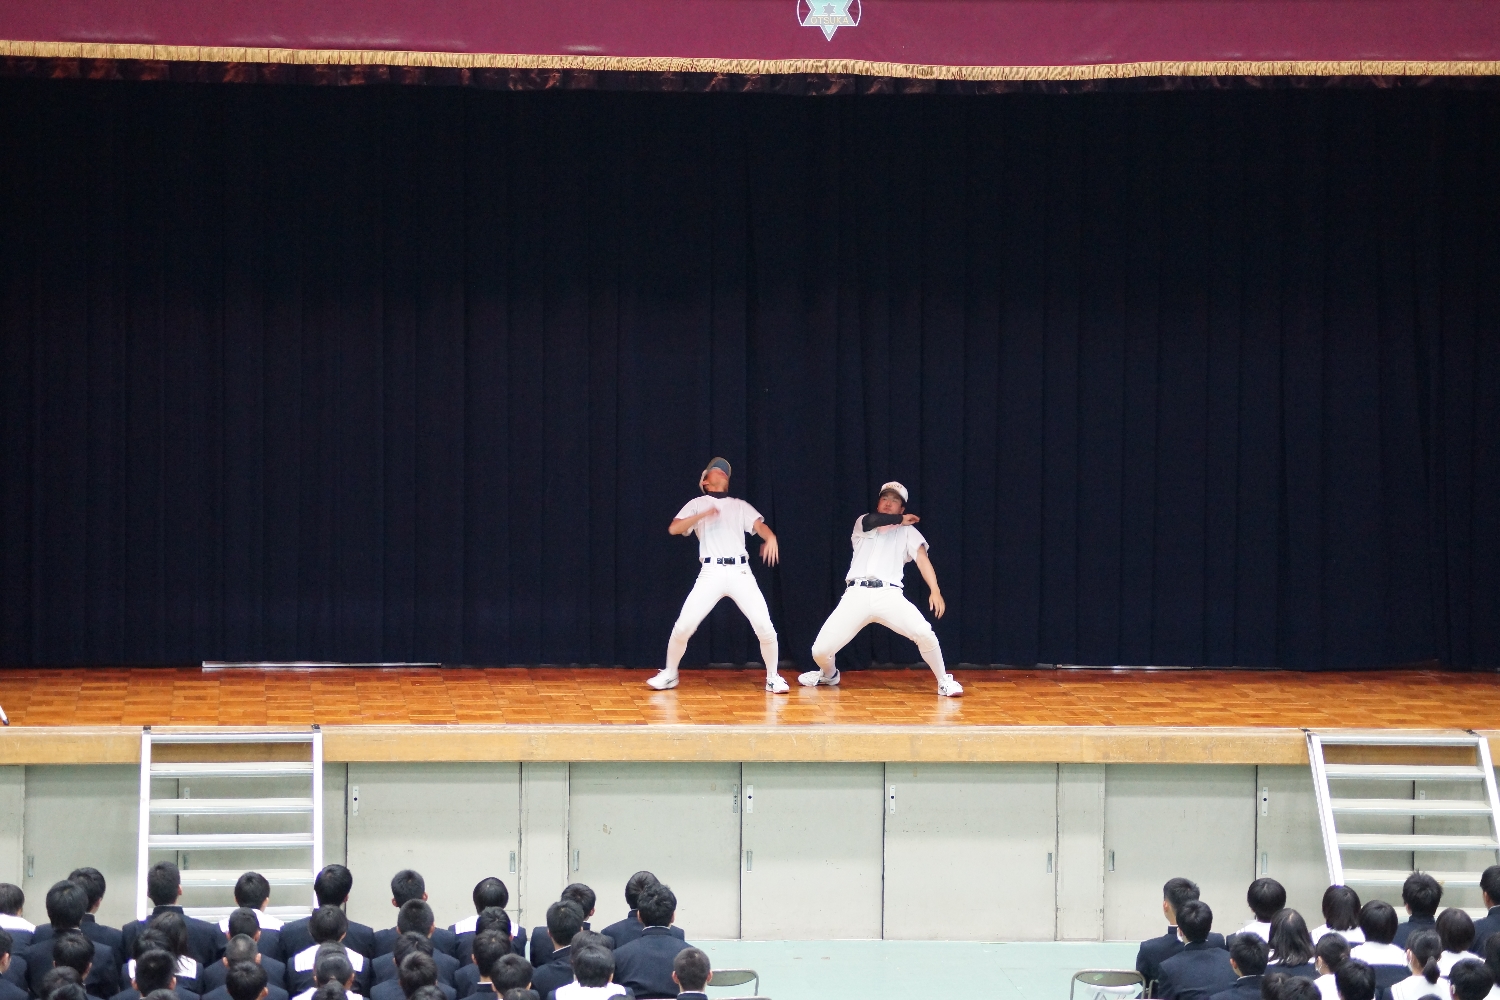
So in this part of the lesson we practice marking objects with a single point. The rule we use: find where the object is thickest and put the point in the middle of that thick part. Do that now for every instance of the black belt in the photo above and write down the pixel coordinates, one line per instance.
(868, 583)
(731, 561)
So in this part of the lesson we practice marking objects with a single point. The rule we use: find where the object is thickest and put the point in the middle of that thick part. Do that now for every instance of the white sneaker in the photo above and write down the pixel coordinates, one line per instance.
(665, 680)
(814, 678)
(776, 684)
(949, 688)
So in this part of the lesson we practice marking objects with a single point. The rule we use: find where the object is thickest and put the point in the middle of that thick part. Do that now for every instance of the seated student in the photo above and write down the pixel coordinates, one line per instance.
(326, 926)
(390, 965)
(1421, 893)
(155, 969)
(489, 893)
(242, 923)
(1156, 950)
(417, 970)
(1492, 960)
(564, 922)
(1455, 929)
(66, 905)
(164, 889)
(427, 993)
(519, 994)
(332, 971)
(173, 931)
(644, 966)
(1200, 970)
(1292, 949)
(12, 902)
(1422, 951)
(331, 887)
(1329, 953)
(93, 885)
(1247, 957)
(251, 892)
(1355, 980)
(416, 918)
(1340, 915)
(409, 886)
(246, 980)
(1470, 980)
(67, 991)
(1265, 897)
(1377, 919)
(622, 932)
(71, 950)
(1489, 888)
(489, 947)
(692, 971)
(8, 989)
(60, 976)
(492, 921)
(593, 975)
(1279, 987)
(541, 943)
(510, 972)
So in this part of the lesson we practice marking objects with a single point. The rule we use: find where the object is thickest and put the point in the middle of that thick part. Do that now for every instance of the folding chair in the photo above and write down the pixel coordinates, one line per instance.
(1108, 984)
(726, 978)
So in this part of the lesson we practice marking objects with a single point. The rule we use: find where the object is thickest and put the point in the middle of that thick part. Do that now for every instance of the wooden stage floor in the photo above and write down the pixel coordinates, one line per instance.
(594, 714)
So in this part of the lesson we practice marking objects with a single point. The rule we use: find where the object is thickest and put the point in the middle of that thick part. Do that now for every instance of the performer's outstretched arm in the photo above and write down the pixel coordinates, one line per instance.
(682, 525)
(873, 521)
(769, 551)
(935, 598)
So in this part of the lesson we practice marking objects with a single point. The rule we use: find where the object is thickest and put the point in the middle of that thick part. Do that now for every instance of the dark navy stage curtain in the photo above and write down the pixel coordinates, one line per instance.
(421, 374)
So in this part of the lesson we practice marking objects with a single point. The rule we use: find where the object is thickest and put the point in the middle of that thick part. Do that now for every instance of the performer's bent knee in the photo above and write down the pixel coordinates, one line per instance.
(926, 642)
(768, 635)
(683, 632)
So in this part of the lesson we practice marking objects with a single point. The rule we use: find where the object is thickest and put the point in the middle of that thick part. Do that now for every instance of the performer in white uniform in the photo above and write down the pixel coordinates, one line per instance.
(884, 542)
(721, 523)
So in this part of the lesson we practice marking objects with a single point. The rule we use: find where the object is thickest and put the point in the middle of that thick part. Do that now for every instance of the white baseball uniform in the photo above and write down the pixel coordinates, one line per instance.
(725, 572)
(880, 557)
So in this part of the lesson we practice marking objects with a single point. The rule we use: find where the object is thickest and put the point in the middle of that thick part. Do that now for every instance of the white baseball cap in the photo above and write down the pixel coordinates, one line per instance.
(897, 487)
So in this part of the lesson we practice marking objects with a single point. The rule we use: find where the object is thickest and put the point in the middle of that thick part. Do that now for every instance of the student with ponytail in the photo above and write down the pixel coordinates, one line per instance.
(1422, 952)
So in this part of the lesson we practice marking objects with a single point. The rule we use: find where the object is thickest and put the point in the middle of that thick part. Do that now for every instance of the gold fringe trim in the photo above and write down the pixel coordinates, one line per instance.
(748, 67)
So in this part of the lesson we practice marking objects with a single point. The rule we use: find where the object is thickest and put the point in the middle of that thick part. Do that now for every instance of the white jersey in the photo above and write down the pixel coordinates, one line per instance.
(882, 554)
(721, 535)
(264, 919)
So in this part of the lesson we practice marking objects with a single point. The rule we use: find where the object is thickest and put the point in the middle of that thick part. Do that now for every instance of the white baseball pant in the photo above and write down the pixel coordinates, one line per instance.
(716, 582)
(887, 605)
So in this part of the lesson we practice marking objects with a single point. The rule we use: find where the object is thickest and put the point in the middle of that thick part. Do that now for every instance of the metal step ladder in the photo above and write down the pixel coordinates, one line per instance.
(1405, 801)
(310, 806)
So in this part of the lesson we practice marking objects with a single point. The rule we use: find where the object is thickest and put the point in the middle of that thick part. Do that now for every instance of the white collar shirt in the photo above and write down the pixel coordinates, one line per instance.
(1327, 988)
(1448, 959)
(1373, 953)
(574, 991)
(721, 535)
(14, 923)
(264, 919)
(883, 552)
(1417, 987)
(307, 995)
(1260, 928)
(1353, 935)
(187, 968)
(307, 957)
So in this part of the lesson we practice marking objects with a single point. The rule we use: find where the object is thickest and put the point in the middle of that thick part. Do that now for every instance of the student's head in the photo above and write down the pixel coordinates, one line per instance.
(510, 972)
(6, 942)
(564, 920)
(1290, 988)
(330, 991)
(1422, 951)
(245, 980)
(691, 968)
(162, 994)
(520, 994)
(243, 921)
(1471, 980)
(326, 924)
(67, 991)
(416, 971)
(1340, 908)
(407, 885)
(1176, 892)
(1249, 953)
(1489, 884)
(66, 905)
(582, 895)
(332, 965)
(1421, 894)
(1265, 896)
(1290, 938)
(332, 885)
(1492, 955)
(252, 890)
(1331, 951)
(588, 937)
(155, 970)
(172, 926)
(489, 948)
(1456, 928)
(72, 949)
(891, 500)
(415, 916)
(59, 976)
(1355, 980)
(593, 965)
(427, 993)
(490, 892)
(150, 939)
(715, 478)
(492, 918)
(11, 899)
(408, 943)
(658, 906)
(634, 885)
(1195, 920)
(92, 883)
(1377, 919)
(163, 884)
(241, 948)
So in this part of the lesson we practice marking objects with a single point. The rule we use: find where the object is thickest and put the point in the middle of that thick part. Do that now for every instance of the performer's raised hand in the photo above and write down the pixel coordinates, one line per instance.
(770, 553)
(909, 519)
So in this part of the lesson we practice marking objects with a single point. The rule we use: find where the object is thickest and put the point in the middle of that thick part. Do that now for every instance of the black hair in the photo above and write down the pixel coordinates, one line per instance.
(155, 970)
(1489, 882)
(1178, 891)
(1249, 953)
(68, 991)
(1492, 955)
(163, 880)
(658, 905)
(1377, 919)
(510, 972)
(1425, 947)
(151, 939)
(1293, 988)
(520, 993)
(409, 942)
(1471, 980)
(492, 918)
(1355, 980)
(243, 920)
(173, 928)
(1271, 985)
(489, 947)
(415, 915)
(6, 941)
(11, 899)
(593, 965)
(72, 949)
(252, 890)
(634, 885)
(162, 994)
(1421, 894)
(564, 920)
(327, 923)
(1290, 938)
(1265, 896)
(1333, 949)
(582, 895)
(332, 965)
(58, 976)
(332, 885)
(692, 967)
(1195, 920)
(245, 980)
(1456, 928)
(331, 990)
(1340, 908)
(92, 882)
(66, 905)
(428, 993)
(416, 971)
(490, 892)
(240, 948)
(407, 885)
